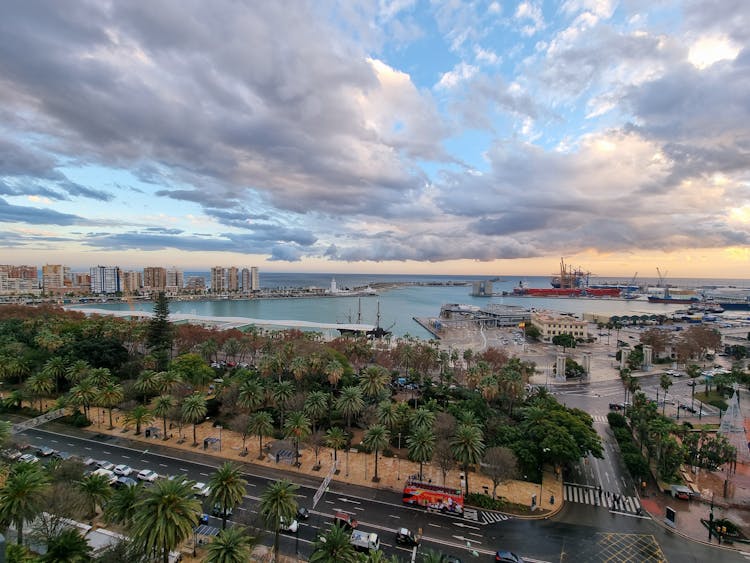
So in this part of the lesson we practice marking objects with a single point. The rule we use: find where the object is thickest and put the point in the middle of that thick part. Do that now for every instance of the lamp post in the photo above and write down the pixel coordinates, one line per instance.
(398, 470)
(220, 428)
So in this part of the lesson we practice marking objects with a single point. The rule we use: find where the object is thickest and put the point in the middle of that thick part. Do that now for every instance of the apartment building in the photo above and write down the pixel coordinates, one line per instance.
(131, 281)
(218, 279)
(233, 279)
(105, 280)
(154, 279)
(552, 324)
(55, 278)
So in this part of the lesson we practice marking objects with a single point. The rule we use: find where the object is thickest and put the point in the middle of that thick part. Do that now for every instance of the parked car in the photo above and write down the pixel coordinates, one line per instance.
(404, 536)
(109, 466)
(123, 470)
(63, 456)
(302, 513)
(147, 475)
(11, 455)
(201, 489)
(123, 482)
(292, 526)
(28, 458)
(216, 511)
(45, 451)
(507, 557)
(110, 475)
(681, 492)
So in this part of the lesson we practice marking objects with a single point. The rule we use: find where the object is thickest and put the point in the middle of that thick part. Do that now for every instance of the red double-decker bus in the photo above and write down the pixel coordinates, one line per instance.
(433, 497)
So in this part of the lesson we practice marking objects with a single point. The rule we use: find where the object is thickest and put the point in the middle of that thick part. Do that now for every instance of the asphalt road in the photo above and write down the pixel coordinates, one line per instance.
(579, 533)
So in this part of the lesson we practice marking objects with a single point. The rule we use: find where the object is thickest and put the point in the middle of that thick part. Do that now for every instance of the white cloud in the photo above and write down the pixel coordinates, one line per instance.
(486, 56)
(531, 15)
(711, 49)
(460, 73)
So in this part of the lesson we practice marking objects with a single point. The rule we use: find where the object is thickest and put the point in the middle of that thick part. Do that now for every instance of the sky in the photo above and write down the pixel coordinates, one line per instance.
(390, 136)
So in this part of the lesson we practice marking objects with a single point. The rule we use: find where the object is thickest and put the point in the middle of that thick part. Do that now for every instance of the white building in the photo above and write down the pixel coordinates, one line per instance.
(105, 280)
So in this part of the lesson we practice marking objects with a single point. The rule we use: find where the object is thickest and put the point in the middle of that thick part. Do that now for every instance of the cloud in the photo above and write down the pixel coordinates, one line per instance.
(35, 216)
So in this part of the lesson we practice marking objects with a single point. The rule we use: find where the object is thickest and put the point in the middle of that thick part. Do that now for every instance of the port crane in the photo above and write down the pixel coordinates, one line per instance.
(662, 278)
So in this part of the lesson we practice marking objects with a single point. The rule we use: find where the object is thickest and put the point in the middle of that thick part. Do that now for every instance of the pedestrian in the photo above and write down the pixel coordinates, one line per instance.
(552, 499)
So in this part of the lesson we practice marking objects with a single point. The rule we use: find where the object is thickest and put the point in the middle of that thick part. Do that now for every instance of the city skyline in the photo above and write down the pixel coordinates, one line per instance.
(484, 138)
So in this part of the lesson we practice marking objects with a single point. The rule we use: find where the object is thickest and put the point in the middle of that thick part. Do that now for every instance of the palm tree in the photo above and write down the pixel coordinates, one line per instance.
(100, 377)
(39, 385)
(335, 438)
(282, 392)
(373, 381)
(56, 367)
(138, 416)
(376, 438)
(22, 497)
(162, 407)
(316, 406)
(230, 546)
(350, 403)
(148, 383)
(77, 371)
(96, 490)
(251, 394)
(83, 394)
(388, 414)
(194, 411)
(297, 428)
(165, 517)
(333, 371)
(68, 546)
(261, 424)
(467, 446)
(227, 489)
(421, 444)
(422, 418)
(298, 366)
(278, 502)
(334, 546)
(109, 396)
(168, 380)
(121, 507)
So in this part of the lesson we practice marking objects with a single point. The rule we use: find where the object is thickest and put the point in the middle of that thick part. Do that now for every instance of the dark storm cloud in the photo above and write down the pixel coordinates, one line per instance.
(35, 215)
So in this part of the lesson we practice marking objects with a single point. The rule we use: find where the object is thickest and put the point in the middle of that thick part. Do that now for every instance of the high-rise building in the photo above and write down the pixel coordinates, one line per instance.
(53, 277)
(131, 281)
(233, 279)
(154, 278)
(81, 280)
(218, 279)
(254, 279)
(175, 280)
(195, 283)
(105, 280)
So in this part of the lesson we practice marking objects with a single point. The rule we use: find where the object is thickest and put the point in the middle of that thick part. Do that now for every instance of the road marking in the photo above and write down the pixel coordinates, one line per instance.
(394, 516)
(462, 525)
(241, 508)
(252, 485)
(106, 452)
(475, 534)
(431, 524)
(87, 448)
(343, 499)
(183, 469)
(204, 474)
(125, 457)
(329, 501)
(70, 444)
(54, 441)
(162, 464)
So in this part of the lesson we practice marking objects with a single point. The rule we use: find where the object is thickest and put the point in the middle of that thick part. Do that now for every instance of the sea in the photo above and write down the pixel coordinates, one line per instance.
(395, 308)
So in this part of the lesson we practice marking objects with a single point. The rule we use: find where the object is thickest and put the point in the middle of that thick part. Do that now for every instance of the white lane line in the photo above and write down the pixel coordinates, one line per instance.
(53, 441)
(204, 474)
(162, 464)
(183, 469)
(252, 485)
(475, 534)
(125, 457)
(70, 444)
(434, 525)
(87, 448)
(394, 516)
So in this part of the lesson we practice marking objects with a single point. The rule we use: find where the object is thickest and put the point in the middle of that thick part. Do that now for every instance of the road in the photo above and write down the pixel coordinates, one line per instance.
(580, 532)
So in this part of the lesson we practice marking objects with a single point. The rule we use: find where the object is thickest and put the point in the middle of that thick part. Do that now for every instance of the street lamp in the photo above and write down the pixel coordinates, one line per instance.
(398, 470)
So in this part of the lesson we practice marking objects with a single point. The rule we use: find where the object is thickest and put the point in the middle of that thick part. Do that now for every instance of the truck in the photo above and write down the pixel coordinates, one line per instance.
(365, 541)
(433, 497)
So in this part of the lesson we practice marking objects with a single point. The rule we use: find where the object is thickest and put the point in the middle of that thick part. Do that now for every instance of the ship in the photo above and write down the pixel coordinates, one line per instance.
(570, 278)
(729, 298)
(667, 297)
(566, 292)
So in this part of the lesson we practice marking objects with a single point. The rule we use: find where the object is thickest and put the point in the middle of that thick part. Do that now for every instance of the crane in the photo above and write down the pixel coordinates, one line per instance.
(662, 277)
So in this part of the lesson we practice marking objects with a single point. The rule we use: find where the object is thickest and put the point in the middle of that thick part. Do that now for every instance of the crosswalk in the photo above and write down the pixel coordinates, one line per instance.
(584, 494)
(484, 517)
(600, 418)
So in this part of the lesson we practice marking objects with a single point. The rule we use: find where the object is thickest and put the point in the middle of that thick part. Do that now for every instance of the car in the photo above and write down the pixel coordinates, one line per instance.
(147, 475)
(404, 536)
(45, 451)
(89, 461)
(507, 557)
(292, 527)
(109, 475)
(345, 520)
(303, 513)
(28, 458)
(63, 456)
(109, 466)
(11, 454)
(123, 470)
(449, 559)
(201, 489)
(203, 518)
(123, 482)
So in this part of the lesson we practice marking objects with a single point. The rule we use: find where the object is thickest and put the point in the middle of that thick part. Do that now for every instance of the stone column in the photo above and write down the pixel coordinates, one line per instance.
(648, 357)
(560, 364)
(586, 362)
(623, 358)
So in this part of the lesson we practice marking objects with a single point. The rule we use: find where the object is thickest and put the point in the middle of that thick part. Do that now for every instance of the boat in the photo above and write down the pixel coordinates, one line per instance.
(672, 300)
(570, 278)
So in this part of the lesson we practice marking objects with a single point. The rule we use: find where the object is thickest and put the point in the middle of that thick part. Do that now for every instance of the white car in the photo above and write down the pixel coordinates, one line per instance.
(110, 476)
(109, 466)
(293, 527)
(147, 475)
(28, 458)
(201, 489)
(123, 470)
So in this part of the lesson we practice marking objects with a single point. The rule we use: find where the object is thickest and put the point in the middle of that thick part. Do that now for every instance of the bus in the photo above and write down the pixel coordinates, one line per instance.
(433, 497)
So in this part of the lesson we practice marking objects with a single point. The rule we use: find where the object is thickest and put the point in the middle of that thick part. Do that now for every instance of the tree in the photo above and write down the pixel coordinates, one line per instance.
(467, 446)
(193, 369)
(350, 403)
(160, 334)
(334, 545)
(165, 517)
(376, 438)
(317, 406)
(665, 382)
(96, 491)
(162, 407)
(230, 546)
(22, 496)
(422, 418)
(110, 396)
(67, 546)
(336, 439)
(443, 456)
(373, 381)
(241, 425)
(147, 383)
(121, 507)
(193, 411)
(499, 465)
(39, 385)
(137, 417)
(261, 424)
(227, 489)
(333, 371)
(421, 444)
(566, 340)
(282, 392)
(297, 428)
(278, 503)
(251, 394)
